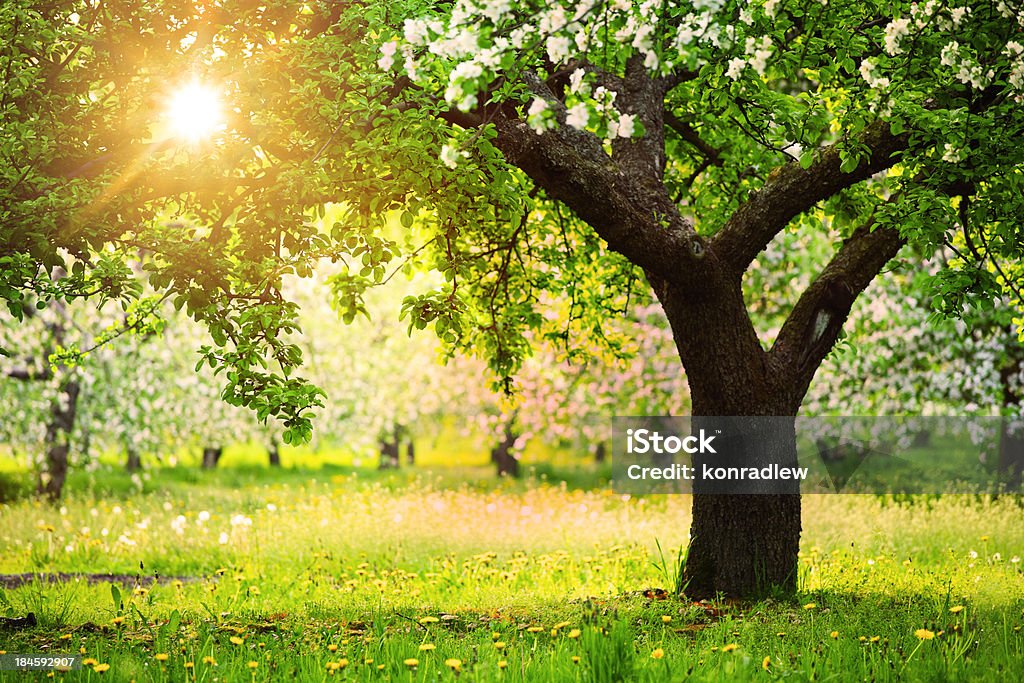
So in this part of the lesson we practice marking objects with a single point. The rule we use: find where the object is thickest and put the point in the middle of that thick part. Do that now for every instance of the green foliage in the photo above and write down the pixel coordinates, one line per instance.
(101, 198)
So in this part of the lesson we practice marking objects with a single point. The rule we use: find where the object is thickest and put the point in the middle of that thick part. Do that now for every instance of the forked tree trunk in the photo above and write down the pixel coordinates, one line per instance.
(740, 544)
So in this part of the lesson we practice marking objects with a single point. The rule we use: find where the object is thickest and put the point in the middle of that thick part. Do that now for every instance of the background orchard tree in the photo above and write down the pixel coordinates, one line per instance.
(534, 149)
(567, 392)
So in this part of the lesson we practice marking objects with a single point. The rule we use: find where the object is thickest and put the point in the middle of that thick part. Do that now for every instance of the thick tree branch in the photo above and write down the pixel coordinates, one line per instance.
(631, 212)
(791, 190)
(814, 324)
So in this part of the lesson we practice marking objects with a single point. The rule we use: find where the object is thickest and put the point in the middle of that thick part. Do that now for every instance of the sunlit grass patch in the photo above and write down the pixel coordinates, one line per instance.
(353, 578)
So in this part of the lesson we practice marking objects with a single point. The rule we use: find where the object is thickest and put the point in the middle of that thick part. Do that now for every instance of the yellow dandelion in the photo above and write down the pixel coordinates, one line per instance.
(427, 647)
(495, 635)
(368, 661)
(924, 634)
(101, 668)
(658, 653)
(66, 636)
(575, 633)
(117, 621)
(253, 665)
(235, 640)
(563, 624)
(811, 605)
(666, 619)
(956, 609)
(502, 664)
(412, 663)
(189, 665)
(254, 590)
(332, 647)
(781, 634)
(342, 663)
(538, 629)
(575, 659)
(453, 664)
(834, 635)
(209, 660)
(862, 639)
(429, 620)
(766, 662)
(89, 661)
(161, 657)
(500, 645)
(730, 647)
(380, 667)
(875, 639)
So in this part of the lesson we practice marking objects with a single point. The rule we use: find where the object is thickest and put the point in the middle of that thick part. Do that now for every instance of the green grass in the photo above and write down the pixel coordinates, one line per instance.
(341, 564)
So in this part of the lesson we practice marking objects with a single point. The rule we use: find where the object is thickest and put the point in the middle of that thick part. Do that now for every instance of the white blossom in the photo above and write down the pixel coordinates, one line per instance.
(450, 155)
(387, 51)
(558, 48)
(578, 116)
(736, 66)
(626, 126)
(415, 31)
(867, 72)
(950, 53)
(894, 32)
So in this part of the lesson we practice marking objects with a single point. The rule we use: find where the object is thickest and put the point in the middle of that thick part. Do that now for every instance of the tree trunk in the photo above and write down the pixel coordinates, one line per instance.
(58, 439)
(746, 544)
(1011, 435)
(502, 456)
(211, 456)
(601, 452)
(390, 449)
(134, 460)
(410, 453)
(740, 544)
(274, 454)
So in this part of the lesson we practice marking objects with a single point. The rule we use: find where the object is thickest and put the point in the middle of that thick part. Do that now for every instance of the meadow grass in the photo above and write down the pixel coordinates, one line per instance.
(341, 573)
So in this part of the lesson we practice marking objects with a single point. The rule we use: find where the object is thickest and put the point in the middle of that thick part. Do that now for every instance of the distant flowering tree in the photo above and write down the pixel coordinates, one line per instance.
(584, 150)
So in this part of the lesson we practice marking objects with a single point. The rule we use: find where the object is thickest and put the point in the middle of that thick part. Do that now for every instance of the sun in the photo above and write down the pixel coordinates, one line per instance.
(194, 112)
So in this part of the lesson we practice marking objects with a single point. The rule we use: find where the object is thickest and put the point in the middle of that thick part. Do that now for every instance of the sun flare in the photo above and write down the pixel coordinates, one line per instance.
(194, 112)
